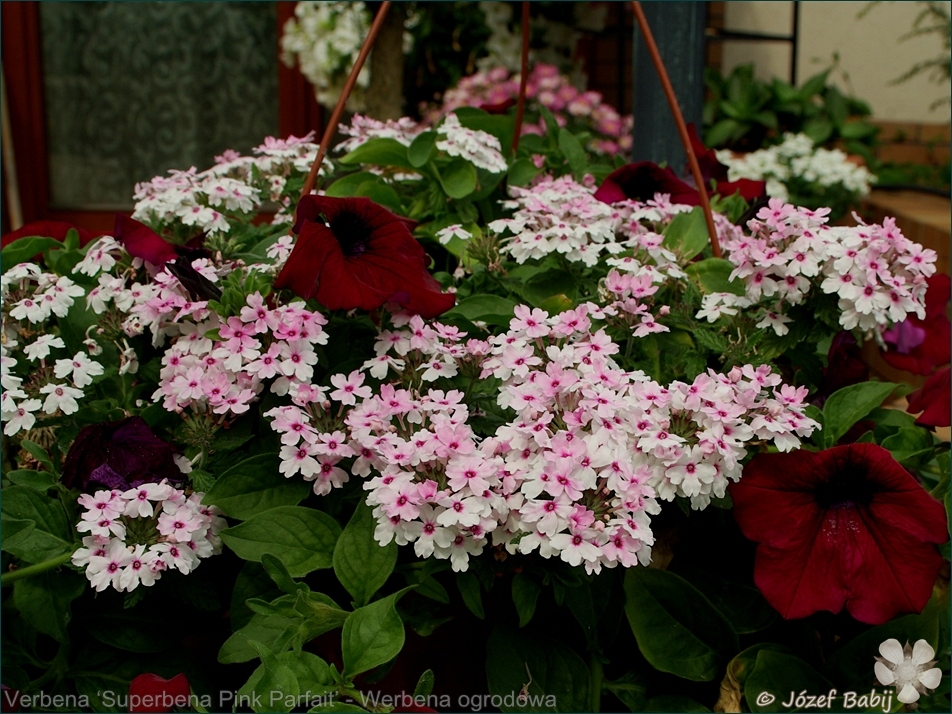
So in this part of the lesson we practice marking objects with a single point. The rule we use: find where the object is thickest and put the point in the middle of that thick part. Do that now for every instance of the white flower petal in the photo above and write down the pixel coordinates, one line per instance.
(922, 652)
(930, 678)
(884, 674)
(908, 695)
(892, 651)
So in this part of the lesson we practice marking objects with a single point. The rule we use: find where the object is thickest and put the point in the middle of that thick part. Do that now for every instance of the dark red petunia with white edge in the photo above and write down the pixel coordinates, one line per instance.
(846, 526)
(352, 253)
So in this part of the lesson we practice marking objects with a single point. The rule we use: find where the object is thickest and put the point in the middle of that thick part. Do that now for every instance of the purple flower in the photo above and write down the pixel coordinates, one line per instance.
(121, 454)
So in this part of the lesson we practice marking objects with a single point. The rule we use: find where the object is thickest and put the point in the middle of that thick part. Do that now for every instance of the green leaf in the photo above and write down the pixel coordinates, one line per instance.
(470, 590)
(264, 629)
(51, 535)
(280, 575)
(301, 538)
(41, 481)
(525, 594)
(132, 631)
(631, 690)
(543, 286)
(847, 406)
(382, 194)
(553, 677)
(255, 485)
(687, 234)
(348, 185)
(551, 125)
(422, 148)
(361, 564)
(491, 309)
(819, 129)
(522, 172)
(372, 635)
(713, 275)
(44, 600)
(722, 132)
(458, 179)
(286, 681)
(741, 605)
(252, 582)
(912, 446)
(424, 686)
(38, 453)
(778, 674)
(379, 152)
(858, 130)
(573, 152)
(23, 249)
(677, 628)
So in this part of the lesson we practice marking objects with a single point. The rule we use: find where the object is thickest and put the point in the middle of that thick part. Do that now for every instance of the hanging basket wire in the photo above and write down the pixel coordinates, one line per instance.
(331, 128)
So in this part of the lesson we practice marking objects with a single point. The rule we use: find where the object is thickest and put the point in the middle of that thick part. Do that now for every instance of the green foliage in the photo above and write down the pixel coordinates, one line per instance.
(361, 564)
(254, 486)
(372, 635)
(301, 538)
(847, 406)
(677, 628)
(745, 113)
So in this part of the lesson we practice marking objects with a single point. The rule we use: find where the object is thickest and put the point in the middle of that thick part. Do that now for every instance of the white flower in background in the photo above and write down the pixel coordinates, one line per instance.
(910, 669)
(796, 158)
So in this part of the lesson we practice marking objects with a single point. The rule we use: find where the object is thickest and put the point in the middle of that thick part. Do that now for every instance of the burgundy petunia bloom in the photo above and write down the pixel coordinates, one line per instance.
(152, 693)
(847, 526)
(934, 400)
(713, 170)
(641, 181)
(143, 242)
(121, 454)
(50, 229)
(919, 346)
(352, 253)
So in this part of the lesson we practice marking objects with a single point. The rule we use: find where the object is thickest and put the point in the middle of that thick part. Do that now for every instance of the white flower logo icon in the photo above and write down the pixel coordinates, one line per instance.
(910, 669)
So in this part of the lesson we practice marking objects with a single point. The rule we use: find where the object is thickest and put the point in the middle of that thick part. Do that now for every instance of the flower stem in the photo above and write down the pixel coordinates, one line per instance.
(595, 683)
(31, 570)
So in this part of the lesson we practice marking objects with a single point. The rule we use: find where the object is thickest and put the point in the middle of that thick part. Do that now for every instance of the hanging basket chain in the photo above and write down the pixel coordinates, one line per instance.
(334, 120)
(679, 121)
(523, 78)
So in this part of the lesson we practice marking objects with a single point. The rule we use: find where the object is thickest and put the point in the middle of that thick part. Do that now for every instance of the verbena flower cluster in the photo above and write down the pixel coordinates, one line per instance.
(236, 186)
(136, 535)
(363, 128)
(35, 382)
(791, 253)
(548, 88)
(575, 474)
(797, 159)
(560, 215)
(481, 149)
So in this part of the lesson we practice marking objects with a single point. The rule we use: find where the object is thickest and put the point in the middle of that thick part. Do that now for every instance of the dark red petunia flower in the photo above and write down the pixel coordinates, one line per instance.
(352, 253)
(498, 108)
(713, 170)
(121, 454)
(152, 693)
(919, 346)
(143, 242)
(934, 400)
(50, 229)
(847, 526)
(641, 181)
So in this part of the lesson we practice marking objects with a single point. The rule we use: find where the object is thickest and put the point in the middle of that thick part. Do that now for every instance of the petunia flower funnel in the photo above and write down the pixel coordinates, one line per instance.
(844, 527)
(352, 253)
